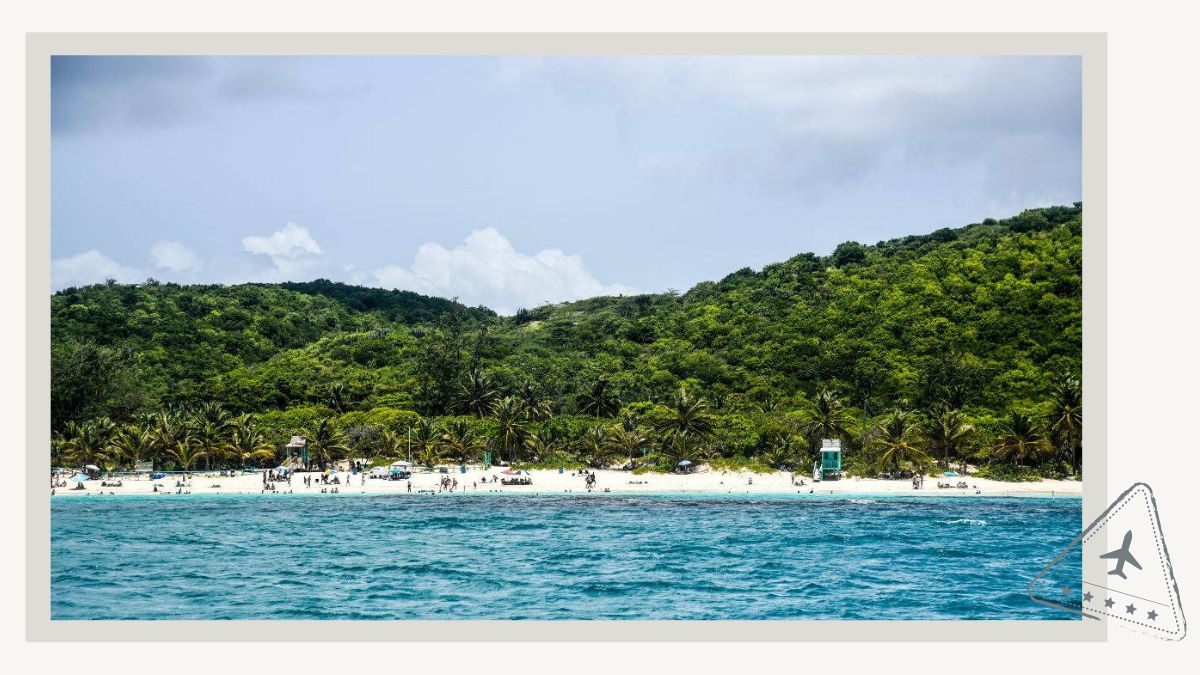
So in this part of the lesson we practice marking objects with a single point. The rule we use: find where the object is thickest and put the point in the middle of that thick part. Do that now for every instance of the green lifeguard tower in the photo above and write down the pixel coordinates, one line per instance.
(829, 467)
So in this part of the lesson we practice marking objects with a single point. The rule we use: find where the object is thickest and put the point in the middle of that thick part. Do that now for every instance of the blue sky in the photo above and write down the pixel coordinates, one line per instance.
(513, 181)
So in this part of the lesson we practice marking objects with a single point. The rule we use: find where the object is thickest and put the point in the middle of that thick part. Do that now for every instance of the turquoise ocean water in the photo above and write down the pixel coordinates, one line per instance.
(598, 556)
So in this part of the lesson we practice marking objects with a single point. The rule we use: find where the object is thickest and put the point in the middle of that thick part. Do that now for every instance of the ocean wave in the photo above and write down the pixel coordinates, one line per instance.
(964, 521)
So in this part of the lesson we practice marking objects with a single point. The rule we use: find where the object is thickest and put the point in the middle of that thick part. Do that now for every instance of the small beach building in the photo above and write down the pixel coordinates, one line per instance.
(829, 466)
(298, 448)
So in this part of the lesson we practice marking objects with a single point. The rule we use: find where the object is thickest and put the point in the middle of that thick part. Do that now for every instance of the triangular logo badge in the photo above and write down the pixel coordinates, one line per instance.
(1127, 576)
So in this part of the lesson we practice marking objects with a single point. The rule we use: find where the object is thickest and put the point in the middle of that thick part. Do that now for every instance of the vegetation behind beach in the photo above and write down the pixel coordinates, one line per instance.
(960, 346)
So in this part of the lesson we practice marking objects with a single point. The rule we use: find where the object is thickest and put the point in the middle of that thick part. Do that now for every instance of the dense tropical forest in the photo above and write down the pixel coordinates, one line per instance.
(958, 347)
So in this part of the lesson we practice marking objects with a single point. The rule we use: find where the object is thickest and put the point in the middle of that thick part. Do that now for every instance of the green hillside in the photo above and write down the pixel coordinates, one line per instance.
(978, 328)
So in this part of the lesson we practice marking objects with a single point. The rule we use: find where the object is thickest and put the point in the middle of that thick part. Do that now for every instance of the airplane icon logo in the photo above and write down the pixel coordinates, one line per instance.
(1109, 588)
(1122, 556)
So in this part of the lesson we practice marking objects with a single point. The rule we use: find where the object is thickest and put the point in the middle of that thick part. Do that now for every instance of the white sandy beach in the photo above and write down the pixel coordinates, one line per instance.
(476, 480)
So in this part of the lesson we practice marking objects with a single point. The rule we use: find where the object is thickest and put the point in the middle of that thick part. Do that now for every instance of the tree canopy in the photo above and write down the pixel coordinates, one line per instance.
(973, 331)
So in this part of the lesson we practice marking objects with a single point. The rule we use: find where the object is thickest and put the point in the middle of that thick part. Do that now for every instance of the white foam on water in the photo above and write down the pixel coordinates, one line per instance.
(964, 521)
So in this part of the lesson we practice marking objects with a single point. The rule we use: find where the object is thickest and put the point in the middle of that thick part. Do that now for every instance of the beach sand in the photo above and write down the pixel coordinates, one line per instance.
(703, 481)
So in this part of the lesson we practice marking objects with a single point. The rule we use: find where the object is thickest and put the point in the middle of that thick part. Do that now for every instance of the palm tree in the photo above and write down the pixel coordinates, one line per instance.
(184, 454)
(337, 397)
(826, 417)
(431, 456)
(248, 444)
(532, 404)
(1066, 418)
(325, 444)
(425, 434)
(170, 426)
(132, 443)
(459, 441)
(542, 445)
(61, 443)
(89, 443)
(688, 417)
(895, 444)
(477, 396)
(784, 450)
(599, 399)
(211, 432)
(510, 426)
(679, 447)
(1020, 440)
(598, 447)
(391, 444)
(946, 431)
(628, 439)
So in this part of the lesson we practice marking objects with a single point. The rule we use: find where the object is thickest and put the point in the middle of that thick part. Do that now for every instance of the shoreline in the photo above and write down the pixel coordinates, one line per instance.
(551, 482)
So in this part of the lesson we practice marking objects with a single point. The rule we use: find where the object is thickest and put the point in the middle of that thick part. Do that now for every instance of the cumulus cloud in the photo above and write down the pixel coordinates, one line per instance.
(292, 251)
(486, 270)
(173, 256)
(90, 267)
(292, 241)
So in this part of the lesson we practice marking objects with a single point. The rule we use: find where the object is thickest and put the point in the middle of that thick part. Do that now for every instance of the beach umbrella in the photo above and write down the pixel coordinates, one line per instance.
(79, 477)
(686, 462)
(507, 472)
(950, 474)
(92, 467)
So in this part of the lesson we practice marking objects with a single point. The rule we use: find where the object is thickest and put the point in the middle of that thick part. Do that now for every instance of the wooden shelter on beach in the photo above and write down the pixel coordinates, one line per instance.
(298, 448)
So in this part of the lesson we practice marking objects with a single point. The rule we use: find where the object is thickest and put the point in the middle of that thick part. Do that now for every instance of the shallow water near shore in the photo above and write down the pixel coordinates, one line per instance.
(587, 556)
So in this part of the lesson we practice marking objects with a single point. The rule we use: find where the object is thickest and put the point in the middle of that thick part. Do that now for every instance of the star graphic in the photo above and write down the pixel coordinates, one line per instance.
(1130, 609)
(1152, 615)
(1066, 590)
(1087, 597)
(1108, 602)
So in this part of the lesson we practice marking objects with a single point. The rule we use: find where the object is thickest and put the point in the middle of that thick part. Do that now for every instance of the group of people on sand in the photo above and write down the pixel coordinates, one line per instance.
(179, 489)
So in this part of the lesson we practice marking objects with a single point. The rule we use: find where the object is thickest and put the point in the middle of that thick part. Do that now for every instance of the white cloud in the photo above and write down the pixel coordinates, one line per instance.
(173, 256)
(487, 270)
(290, 242)
(89, 268)
(292, 251)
